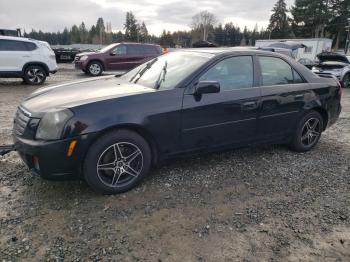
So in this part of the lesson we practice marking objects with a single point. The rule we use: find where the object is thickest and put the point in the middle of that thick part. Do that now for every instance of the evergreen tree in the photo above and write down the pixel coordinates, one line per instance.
(84, 35)
(143, 33)
(131, 28)
(279, 22)
(311, 16)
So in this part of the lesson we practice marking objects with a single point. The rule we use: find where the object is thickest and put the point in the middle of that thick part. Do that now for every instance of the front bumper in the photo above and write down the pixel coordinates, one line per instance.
(81, 65)
(50, 159)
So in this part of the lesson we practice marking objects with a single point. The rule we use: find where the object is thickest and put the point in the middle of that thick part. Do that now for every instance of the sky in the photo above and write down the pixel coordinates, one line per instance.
(171, 15)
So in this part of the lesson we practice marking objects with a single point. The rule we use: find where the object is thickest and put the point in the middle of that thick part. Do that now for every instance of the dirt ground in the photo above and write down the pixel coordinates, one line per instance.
(255, 204)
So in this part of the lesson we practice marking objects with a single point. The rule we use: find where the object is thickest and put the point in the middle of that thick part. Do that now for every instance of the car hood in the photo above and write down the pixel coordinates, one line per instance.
(332, 57)
(80, 92)
(86, 53)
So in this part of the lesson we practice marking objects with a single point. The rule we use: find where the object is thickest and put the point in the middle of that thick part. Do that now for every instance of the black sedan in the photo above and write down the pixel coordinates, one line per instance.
(111, 130)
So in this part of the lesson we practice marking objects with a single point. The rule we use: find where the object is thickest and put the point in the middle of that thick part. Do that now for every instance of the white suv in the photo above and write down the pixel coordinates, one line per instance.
(29, 59)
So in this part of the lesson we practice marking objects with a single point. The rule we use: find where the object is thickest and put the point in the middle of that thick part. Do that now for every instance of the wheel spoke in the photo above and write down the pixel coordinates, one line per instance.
(107, 166)
(115, 181)
(118, 149)
(129, 170)
(314, 125)
(304, 137)
(132, 156)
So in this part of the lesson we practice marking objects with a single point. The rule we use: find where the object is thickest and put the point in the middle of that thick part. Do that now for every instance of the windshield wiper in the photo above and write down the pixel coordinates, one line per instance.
(161, 76)
(142, 71)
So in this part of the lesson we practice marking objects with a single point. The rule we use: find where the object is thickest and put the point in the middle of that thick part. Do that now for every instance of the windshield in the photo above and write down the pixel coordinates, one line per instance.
(106, 48)
(166, 71)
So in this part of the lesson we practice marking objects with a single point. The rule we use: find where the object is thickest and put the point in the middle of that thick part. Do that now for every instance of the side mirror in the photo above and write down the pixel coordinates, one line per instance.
(207, 87)
(112, 54)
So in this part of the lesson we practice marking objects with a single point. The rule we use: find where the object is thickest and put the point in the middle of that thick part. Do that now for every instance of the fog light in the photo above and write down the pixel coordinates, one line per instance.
(71, 148)
(36, 163)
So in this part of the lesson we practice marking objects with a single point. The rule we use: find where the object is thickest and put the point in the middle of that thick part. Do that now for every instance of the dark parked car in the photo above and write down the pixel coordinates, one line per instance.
(333, 64)
(111, 130)
(121, 56)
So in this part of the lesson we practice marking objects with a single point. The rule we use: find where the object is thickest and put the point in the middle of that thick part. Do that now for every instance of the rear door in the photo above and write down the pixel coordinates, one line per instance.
(228, 117)
(136, 55)
(13, 55)
(283, 94)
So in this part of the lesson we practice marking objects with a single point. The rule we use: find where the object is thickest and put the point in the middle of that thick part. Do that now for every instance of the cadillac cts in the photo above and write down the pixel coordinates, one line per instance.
(111, 130)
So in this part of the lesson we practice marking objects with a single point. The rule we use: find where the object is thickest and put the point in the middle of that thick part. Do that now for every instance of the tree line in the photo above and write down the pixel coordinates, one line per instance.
(305, 19)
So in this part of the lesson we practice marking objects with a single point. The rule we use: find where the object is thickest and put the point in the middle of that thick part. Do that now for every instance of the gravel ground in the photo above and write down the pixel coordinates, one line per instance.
(255, 204)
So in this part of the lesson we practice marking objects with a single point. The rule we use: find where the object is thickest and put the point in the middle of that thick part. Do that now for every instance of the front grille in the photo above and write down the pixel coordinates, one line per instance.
(21, 121)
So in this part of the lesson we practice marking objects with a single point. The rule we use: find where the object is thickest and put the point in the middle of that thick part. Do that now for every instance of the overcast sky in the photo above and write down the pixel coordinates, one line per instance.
(53, 15)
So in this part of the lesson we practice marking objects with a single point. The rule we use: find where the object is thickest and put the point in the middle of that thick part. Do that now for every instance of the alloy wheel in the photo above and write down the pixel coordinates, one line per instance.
(94, 69)
(35, 75)
(311, 132)
(120, 164)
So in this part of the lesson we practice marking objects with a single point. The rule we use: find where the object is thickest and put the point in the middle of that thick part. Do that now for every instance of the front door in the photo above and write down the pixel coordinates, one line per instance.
(117, 59)
(227, 117)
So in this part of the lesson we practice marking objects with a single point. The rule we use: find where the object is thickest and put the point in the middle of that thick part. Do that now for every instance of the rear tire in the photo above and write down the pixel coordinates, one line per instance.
(308, 132)
(117, 162)
(94, 68)
(34, 75)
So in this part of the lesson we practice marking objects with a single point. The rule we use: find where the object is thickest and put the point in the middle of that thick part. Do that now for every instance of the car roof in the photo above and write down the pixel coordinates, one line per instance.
(17, 38)
(134, 43)
(227, 50)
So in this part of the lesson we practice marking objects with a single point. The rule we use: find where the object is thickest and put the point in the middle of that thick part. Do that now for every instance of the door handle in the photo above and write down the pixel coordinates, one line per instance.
(250, 106)
(297, 97)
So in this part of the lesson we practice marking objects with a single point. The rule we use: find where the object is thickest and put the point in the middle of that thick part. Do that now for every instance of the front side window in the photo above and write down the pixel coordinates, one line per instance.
(232, 73)
(275, 71)
(119, 50)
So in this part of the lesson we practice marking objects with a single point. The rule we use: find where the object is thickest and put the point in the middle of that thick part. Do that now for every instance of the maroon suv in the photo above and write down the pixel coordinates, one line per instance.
(119, 56)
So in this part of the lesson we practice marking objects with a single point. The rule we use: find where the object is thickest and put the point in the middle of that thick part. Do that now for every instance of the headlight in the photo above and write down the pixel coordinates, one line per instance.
(83, 58)
(52, 124)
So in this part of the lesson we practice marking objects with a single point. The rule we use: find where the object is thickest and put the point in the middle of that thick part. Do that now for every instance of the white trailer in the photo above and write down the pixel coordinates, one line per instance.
(314, 46)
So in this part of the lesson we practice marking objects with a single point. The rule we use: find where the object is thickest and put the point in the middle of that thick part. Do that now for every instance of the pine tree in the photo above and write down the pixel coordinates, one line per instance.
(131, 28)
(311, 16)
(143, 32)
(279, 22)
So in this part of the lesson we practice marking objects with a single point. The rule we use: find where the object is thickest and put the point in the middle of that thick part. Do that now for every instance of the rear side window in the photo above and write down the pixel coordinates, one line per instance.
(12, 45)
(150, 50)
(232, 73)
(30, 46)
(276, 71)
(135, 50)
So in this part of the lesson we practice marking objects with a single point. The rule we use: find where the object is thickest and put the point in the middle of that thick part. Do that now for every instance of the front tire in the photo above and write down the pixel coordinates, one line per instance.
(117, 162)
(346, 80)
(34, 75)
(95, 68)
(308, 132)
